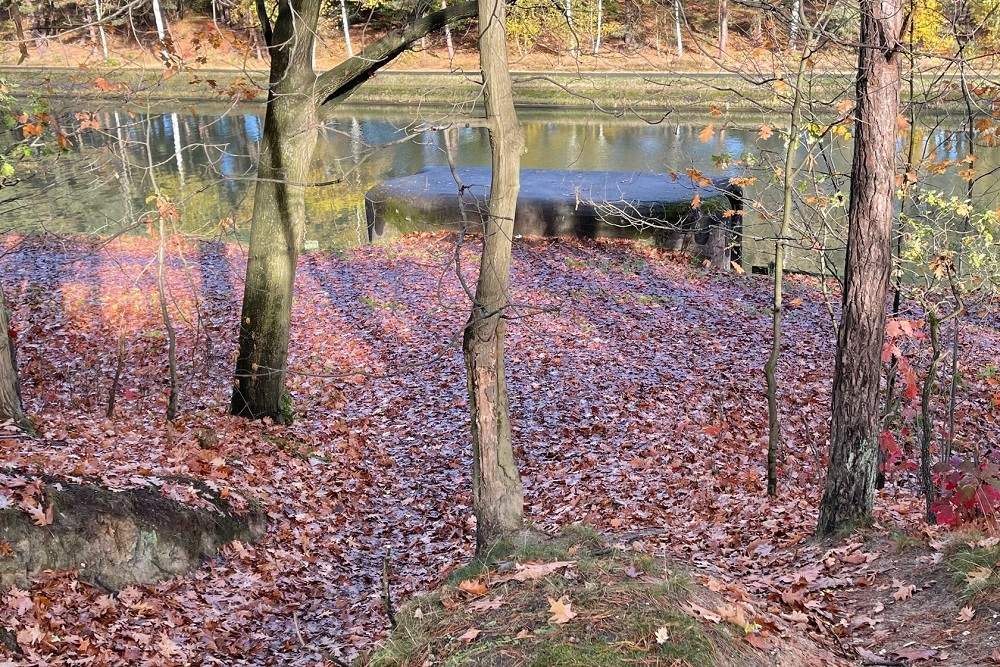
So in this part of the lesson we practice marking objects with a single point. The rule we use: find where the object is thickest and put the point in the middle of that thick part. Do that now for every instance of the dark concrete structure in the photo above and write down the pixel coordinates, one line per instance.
(581, 204)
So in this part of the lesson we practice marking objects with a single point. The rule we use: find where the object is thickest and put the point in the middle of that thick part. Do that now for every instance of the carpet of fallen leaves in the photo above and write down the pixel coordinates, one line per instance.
(638, 408)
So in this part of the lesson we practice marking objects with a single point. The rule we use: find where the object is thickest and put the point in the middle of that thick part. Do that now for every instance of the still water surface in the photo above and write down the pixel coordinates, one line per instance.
(204, 159)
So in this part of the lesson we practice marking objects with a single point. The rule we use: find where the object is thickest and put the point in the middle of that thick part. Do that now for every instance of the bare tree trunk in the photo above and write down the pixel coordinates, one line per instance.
(347, 28)
(279, 216)
(600, 27)
(677, 28)
(447, 35)
(100, 29)
(793, 25)
(771, 368)
(497, 494)
(926, 419)
(10, 393)
(723, 27)
(850, 483)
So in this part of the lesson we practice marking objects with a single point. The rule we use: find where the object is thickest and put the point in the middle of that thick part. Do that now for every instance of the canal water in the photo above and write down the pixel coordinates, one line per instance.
(204, 159)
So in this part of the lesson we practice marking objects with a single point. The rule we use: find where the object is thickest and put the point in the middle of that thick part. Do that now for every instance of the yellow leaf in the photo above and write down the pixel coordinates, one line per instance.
(706, 133)
(561, 610)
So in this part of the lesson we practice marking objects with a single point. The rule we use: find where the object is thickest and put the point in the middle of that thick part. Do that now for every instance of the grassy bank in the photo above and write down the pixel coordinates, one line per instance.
(609, 91)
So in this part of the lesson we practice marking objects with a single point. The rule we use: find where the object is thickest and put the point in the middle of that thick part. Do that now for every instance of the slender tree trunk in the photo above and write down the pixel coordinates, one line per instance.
(793, 25)
(850, 483)
(100, 29)
(677, 28)
(600, 27)
(346, 24)
(926, 419)
(497, 494)
(279, 216)
(10, 391)
(723, 27)
(574, 40)
(771, 368)
(447, 35)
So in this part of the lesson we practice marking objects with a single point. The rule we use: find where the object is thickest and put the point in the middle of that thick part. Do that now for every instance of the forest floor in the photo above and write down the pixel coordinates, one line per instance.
(638, 409)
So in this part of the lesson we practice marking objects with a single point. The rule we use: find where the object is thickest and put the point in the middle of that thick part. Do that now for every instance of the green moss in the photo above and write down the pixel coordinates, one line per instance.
(286, 407)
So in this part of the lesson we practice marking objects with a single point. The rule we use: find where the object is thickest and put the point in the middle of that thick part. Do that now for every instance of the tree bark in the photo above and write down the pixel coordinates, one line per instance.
(771, 368)
(10, 394)
(449, 42)
(279, 215)
(600, 27)
(347, 28)
(497, 494)
(677, 28)
(723, 27)
(850, 483)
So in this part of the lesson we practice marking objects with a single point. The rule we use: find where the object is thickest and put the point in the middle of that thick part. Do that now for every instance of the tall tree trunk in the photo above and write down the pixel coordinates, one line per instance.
(926, 418)
(100, 29)
(600, 27)
(723, 27)
(850, 483)
(497, 494)
(279, 214)
(10, 394)
(447, 35)
(677, 28)
(346, 25)
(793, 22)
(771, 368)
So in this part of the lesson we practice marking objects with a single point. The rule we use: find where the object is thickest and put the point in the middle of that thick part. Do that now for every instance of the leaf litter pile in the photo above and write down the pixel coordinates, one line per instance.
(638, 409)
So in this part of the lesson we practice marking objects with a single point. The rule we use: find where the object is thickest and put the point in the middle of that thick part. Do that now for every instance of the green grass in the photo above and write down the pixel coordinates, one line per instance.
(974, 569)
(621, 599)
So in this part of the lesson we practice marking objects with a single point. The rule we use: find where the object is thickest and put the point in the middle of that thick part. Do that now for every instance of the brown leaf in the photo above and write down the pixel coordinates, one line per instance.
(765, 132)
(915, 654)
(469, 635)
(705, 613)
(534, 571)
(966, 614)
(485, 605)
(706, 133)
(903, 591)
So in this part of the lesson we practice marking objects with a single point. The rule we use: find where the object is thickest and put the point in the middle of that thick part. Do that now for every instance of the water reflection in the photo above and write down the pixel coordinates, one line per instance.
(205, 159)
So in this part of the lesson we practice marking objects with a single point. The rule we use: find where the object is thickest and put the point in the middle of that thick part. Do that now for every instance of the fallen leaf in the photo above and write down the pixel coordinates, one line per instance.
(484, 605)
(561, 610)
(705, 613)
(966, 614)
(473, 587)
(916, 654)
(534, 571)
(662, 635)
(469, 635)
(903, 591)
